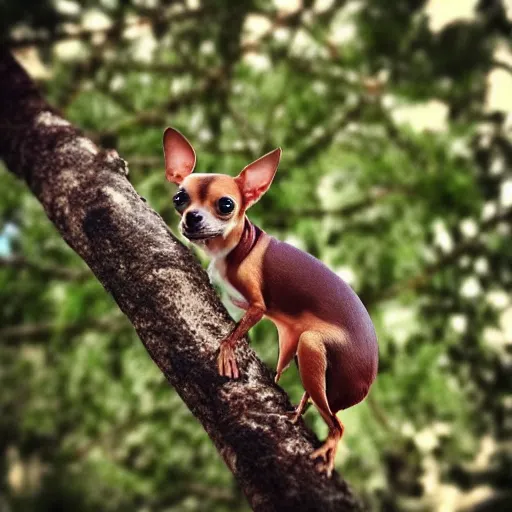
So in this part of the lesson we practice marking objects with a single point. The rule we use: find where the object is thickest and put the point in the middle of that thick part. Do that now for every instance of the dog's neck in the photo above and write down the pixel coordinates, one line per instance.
(237, 245)
(248, 238)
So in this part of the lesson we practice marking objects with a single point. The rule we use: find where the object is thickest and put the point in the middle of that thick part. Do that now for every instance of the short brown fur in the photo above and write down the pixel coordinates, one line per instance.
(319, 317)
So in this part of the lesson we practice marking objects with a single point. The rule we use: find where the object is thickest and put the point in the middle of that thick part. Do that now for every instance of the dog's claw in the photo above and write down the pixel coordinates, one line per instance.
(327, 454)
(293, 416)
(226, 362)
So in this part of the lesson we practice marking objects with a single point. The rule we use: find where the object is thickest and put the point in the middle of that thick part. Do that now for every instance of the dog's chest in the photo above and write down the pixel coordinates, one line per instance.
(218, 274)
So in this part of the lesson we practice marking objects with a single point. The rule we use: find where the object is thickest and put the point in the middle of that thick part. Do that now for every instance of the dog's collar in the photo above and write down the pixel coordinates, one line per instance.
(250, 236)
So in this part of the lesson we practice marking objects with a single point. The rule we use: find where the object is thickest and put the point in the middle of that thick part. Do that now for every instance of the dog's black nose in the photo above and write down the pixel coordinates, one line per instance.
(193, 219)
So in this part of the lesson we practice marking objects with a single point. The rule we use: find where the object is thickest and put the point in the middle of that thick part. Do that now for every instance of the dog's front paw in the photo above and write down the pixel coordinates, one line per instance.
(226, 361)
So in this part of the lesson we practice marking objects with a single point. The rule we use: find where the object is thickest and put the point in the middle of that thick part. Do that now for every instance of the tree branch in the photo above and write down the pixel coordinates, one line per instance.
(446, 260)
(166, 295)
(374, 196)
(66, 273)
(157, 116)
(64, 33)
(14, 334)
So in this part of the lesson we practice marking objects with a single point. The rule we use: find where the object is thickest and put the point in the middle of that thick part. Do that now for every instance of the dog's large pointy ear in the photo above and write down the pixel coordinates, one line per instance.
(255, 179)
(180, 157)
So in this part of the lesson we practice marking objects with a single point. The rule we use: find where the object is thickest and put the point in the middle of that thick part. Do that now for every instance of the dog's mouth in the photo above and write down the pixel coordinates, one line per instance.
(200, 236)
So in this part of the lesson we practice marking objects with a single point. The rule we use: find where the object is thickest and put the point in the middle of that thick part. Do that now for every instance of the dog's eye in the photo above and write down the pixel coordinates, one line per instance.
(180, 200)
(225, 205)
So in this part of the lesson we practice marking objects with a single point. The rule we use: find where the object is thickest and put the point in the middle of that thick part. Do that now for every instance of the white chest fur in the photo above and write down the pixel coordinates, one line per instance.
(217, 274)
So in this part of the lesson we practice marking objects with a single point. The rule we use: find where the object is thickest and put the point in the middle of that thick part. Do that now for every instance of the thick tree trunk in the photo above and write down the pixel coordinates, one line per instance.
(166, 295)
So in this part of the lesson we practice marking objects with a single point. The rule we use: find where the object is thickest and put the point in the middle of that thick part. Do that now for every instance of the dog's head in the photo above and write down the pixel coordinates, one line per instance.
(212, 205)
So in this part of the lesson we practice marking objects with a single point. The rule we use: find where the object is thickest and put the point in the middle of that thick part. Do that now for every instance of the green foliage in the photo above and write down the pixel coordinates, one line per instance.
(396, 173)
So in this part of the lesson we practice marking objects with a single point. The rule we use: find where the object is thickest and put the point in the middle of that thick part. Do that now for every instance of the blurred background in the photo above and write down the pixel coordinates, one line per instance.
(396, 122)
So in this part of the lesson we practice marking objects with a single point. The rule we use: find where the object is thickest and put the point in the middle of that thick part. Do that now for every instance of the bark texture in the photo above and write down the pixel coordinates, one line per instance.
(166, 295)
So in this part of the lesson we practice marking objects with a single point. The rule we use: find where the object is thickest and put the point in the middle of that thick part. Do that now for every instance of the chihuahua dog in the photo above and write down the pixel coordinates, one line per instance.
(319, 318)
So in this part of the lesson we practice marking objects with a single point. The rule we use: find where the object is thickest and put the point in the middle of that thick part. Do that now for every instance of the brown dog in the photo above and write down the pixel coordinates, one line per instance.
(318, 316)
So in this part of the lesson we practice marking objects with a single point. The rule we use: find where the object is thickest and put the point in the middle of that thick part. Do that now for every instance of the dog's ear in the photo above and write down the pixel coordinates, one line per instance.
(255, 179)
(180, 157)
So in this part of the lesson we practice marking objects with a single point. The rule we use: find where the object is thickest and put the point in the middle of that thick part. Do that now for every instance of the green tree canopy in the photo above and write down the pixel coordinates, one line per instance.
(396, 121)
